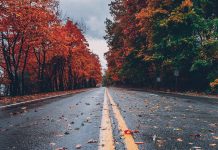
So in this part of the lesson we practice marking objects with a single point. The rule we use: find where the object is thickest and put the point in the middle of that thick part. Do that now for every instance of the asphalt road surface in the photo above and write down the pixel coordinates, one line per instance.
(110, 119)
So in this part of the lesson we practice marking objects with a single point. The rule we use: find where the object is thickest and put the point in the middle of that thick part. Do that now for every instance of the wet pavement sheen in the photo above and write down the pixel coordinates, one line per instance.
(164, 122)
(58, 123)
(167, 122)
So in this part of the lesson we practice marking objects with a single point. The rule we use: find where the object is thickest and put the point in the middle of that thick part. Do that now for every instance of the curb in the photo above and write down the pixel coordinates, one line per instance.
(177, 94)
(185, 95)
(38, 100)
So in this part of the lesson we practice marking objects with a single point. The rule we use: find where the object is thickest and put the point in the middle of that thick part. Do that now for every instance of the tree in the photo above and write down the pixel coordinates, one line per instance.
(154, 38)
(40, 52)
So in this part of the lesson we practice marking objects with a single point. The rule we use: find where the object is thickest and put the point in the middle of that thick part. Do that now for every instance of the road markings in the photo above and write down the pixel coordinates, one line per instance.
(128, 138)
(106, 141)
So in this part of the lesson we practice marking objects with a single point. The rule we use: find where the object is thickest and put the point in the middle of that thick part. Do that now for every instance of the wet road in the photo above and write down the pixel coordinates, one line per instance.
(163, 122)
(53, 124)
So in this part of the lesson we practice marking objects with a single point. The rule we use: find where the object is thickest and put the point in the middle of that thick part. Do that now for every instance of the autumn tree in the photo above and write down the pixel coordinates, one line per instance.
(153, 38)
(39, 52)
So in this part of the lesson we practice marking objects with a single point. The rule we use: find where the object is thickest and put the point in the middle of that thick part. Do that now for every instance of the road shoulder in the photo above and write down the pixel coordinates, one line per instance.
(41, 98)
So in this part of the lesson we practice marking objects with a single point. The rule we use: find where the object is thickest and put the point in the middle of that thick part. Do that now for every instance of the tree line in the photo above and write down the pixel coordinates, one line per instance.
(166, 44)
(41, 53)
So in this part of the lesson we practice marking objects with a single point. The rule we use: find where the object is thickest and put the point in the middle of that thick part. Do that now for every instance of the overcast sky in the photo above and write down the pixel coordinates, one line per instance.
(93, 13)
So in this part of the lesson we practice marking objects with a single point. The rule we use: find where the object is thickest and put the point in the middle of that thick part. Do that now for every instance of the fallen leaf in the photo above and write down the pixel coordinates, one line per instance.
(154, 138)
(78, 146)
(197, 147)
(179, 140)
(213, 125)
(177, 129)
(62, 148)
(59, 135)
(160, 143)
(135, 131)
(196, 135)
(215, 137)
(23, 108)
(139, 143)
(52, 144)
(92, 141)
(212, 145)
(128, 131)
(88, 119)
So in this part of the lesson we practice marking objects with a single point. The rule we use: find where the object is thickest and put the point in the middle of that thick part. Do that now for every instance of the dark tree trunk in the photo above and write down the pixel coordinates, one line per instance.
(70, 73)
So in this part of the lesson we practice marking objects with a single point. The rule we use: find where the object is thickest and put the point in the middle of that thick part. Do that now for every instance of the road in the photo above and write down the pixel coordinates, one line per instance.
(99, 119)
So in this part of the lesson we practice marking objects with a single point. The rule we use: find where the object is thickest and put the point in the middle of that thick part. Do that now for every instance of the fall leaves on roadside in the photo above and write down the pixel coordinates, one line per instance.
(40, 52)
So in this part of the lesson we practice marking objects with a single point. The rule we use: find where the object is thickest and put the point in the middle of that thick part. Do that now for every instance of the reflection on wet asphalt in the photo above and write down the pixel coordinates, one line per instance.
(66, 122)
(167, 122)
(163, 121)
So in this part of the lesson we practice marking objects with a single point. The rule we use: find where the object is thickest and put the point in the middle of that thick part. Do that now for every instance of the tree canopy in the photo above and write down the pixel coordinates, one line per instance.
(150, 40)
(40, 52)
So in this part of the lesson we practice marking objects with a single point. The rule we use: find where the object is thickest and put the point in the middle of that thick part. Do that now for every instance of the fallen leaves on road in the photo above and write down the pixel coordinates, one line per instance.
(212, 145)
(177, 129)
(160, 142)
(52, 144)
(146, 102)
(62, 148)
(215, 137)
(92, 141)
(66, 133)
(59, 135)
(88, 119)
(78, 146)
(196, 148)
(24, 108)
(154, 138)
(154, 108)
(214, 125)
(196, 135)
(179, 140)
(138, 143)
(87, 103)
(128, 131)
(17, 99)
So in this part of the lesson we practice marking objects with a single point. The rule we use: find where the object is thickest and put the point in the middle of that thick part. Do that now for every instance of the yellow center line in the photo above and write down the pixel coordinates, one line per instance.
(128, 138)
(106, 141)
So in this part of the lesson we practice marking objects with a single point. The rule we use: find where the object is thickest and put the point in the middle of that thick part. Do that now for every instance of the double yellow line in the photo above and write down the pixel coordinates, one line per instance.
(106, 132)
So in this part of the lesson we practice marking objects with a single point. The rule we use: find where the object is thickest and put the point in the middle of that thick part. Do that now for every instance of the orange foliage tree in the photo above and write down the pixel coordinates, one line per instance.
(39, 51)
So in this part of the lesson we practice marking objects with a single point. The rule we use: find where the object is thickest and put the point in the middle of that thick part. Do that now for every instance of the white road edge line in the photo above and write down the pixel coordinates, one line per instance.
(37, 100)
(128, 138)
(106, 141)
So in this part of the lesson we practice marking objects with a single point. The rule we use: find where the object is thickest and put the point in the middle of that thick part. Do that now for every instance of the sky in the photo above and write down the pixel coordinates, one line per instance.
(93, 14)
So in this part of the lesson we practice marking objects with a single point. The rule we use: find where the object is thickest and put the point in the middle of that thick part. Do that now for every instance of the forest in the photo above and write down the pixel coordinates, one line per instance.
(163, 44)
(40, 52)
